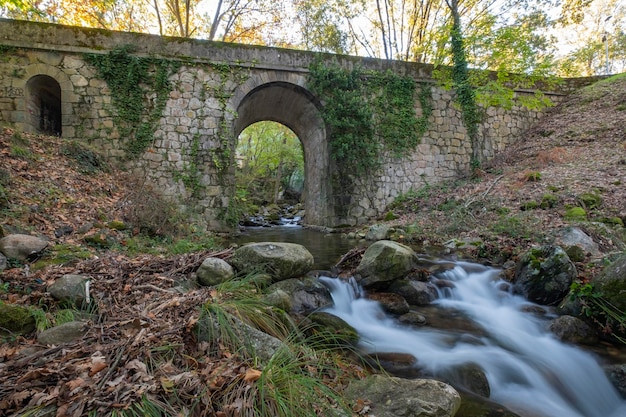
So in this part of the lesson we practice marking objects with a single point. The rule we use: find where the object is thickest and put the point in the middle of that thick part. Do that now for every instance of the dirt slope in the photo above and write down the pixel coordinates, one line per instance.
(578, 148)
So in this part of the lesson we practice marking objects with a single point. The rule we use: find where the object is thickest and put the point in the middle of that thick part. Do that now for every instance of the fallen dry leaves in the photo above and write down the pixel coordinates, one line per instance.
(140, 342)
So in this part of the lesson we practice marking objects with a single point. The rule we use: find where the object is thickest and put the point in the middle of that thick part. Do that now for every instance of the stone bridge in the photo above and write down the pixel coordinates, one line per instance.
(48, 85)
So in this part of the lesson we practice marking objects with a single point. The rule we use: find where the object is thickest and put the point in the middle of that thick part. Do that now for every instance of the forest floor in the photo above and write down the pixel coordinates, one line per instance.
(140, 344)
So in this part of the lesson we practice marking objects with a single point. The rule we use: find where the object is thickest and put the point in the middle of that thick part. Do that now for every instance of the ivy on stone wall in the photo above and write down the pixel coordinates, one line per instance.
(5, 51)
(465, 92)
(369, 113)
(140, 88)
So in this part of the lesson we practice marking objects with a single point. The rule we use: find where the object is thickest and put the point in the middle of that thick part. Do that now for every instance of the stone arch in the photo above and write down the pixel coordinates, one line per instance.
(45, 105)
(284, 99)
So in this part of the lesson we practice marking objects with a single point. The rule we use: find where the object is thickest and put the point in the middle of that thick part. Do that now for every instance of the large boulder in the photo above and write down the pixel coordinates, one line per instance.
(21, 247)
(377, 232)
(299, 295)
(611, 283)
(393, 397)
(338, 332)
(214, 271)
(469, 377)
(574, 236)
(279, 259)
(256, 344)
(617, 376)
(573, 330)
(384, 262)
(416, 293)
(544, 275)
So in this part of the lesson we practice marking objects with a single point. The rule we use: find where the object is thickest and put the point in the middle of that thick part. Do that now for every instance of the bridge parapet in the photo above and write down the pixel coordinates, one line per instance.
(47, 85)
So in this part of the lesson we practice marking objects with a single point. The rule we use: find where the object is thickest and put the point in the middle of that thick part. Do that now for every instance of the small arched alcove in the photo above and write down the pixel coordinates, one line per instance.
(43, 104)
(294, 107)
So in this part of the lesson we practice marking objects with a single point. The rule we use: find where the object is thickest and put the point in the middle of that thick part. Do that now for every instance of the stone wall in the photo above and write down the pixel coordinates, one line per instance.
(444, 153)
(218, 90)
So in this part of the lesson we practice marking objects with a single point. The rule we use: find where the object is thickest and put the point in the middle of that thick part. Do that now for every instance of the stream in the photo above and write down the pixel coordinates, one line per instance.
(529, 371)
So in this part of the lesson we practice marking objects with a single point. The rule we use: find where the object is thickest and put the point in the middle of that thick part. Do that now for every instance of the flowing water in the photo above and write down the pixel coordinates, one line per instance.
(528, 370)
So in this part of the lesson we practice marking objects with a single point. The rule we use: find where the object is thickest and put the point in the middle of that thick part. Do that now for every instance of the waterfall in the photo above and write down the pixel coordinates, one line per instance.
(529, 370)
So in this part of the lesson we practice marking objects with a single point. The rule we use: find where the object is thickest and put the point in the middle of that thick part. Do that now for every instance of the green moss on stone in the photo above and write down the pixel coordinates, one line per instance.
(548, 201)
(15, 319)
(575, 253)
(615, 221)
(390, 215)
(575, 214)
(589, 200)
(529, 205)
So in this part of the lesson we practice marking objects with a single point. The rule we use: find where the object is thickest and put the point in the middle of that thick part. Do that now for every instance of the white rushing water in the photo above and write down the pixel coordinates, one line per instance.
(528, 370)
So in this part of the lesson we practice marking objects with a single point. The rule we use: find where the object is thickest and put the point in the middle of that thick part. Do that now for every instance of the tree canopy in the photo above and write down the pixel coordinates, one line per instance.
(538, 37)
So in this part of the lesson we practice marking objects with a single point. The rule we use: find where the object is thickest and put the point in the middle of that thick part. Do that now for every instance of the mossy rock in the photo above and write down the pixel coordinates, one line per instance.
(548, 201)
(100, 239)
(575, 214)
(544, 275)
(589, 200)
(282, 260)
(529, 205)
(611, 283)
(390, 215)
(117, 225)
(15, 319)
(337, 330)
(575, 253)
(615, 221)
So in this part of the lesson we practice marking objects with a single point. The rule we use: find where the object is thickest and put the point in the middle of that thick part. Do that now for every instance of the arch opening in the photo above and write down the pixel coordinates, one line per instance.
(269, 173)
(294, 107)
(43, 104)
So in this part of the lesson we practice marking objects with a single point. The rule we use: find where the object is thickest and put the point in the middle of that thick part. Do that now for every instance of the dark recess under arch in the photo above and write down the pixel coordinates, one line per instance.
(44, 104)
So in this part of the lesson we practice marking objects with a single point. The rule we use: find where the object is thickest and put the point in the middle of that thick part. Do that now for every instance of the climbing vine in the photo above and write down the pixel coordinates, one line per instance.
(369, 112)
(140, 88)
(6, 51)
(465, 93)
